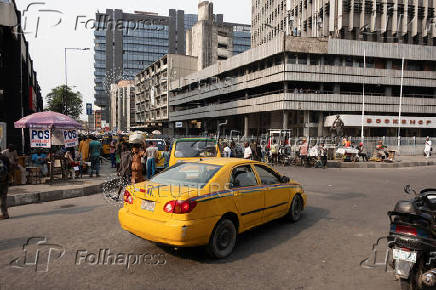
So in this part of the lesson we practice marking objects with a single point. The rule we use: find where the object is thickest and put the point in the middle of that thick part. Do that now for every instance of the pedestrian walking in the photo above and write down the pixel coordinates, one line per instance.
(113, 147)
(275, 152)
(227, 152)
(263, 151)
(166, 156)
(304, 148)
(151, 153)
(253, 148)
(323, 155)
(136, 168)
(247, 151)
(94, 153)
(12, 155)
(4, 186)
(428, 147)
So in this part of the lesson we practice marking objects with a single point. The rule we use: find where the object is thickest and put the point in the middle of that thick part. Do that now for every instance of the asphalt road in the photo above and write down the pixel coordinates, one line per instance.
(346, 214)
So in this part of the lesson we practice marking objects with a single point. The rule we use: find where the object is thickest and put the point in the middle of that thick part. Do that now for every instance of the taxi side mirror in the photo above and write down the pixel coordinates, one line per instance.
(285, 179)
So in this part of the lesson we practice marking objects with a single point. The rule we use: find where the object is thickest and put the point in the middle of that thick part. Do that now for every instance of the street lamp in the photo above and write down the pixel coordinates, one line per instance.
(64, 99)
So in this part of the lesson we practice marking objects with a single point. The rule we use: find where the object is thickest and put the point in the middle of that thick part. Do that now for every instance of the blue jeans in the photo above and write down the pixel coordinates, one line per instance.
(151, 168)
(113, 160)
(95, 164)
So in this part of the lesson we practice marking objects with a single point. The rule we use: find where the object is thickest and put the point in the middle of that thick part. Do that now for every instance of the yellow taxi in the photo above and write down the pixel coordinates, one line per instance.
(209, 202)
(192, 149)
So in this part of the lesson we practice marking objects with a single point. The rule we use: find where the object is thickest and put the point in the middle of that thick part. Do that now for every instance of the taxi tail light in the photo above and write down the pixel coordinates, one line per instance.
(128, 198)
(406, 230)
(179, 206)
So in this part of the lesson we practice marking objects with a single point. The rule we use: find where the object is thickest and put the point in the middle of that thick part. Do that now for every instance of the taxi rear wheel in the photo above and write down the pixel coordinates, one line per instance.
(296, 209)
(223, 239)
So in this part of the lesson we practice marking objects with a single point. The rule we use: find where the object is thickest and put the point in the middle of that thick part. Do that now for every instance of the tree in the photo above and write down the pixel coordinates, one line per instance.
(63, 100)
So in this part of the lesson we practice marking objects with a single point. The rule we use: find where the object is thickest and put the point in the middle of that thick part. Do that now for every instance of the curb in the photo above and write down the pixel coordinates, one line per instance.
(337, 164)
(54, 195)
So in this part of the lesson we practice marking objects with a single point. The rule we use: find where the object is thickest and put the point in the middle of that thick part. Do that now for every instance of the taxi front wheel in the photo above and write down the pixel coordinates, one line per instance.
(296, 209)
(223, 239)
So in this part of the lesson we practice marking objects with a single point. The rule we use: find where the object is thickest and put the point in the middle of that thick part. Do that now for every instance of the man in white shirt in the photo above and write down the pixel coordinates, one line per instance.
(427, 148)
(227, 151)
(151, 153)
(247, 151)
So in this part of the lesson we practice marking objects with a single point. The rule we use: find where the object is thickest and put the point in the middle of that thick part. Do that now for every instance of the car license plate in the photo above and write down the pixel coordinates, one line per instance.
(148, 205)
(404, 255)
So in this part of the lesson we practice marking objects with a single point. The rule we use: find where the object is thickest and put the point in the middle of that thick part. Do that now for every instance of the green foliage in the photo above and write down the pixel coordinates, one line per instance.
(63, 100)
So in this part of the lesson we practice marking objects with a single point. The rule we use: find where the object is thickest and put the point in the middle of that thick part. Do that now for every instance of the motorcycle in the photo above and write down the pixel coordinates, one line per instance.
(412, 240)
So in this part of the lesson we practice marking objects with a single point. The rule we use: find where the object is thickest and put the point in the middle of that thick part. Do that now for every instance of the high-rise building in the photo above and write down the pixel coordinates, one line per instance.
(378, 21)
(126, 43)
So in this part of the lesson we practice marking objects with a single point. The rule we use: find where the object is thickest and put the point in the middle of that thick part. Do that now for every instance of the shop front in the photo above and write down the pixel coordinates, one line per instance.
(377, 126)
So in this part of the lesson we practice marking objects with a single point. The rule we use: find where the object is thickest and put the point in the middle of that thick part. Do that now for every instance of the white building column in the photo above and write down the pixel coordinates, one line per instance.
(246, 126)
(285, 119)
(306, 123)
(320, 124)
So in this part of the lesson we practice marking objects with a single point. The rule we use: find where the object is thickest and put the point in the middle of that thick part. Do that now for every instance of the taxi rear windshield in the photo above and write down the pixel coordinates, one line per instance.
(160, 144)
(187, 174)
(195, 148)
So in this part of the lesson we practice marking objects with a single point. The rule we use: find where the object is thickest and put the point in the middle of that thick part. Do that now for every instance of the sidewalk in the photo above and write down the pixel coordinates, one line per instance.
(61, 189)
(400, 162)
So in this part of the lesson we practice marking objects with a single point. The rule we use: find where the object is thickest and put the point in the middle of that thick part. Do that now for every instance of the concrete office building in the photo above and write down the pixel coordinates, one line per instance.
(152, 86)
(396, 21)
(126, 43)
(209, 39)
(122, 106)
(298, 82)
(20, 93)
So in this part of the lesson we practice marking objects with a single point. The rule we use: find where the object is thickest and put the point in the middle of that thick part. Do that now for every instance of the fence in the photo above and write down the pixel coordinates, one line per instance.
(409, 146)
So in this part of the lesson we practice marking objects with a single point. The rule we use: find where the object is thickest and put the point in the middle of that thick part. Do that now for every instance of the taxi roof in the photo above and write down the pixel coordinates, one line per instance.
(224, 161)
(196, 139)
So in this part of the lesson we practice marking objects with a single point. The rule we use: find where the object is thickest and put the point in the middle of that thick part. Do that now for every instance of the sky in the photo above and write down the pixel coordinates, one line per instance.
(51, 26)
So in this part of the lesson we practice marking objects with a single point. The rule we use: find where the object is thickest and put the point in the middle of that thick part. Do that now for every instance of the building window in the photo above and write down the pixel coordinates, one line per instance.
(315, 59)
(292, 58)
(302, 59)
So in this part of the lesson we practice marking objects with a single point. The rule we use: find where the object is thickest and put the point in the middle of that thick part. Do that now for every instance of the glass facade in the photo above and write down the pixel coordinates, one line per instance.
(99, 60)
(241, 38)
(142, 47)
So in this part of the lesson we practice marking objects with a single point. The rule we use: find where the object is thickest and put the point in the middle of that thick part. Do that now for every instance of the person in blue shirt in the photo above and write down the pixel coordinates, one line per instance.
(39, 159)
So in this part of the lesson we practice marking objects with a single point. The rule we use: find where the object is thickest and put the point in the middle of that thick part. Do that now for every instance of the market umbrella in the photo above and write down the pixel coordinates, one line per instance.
(156, 132)
(48, 120)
